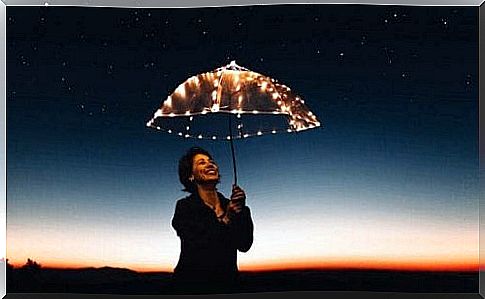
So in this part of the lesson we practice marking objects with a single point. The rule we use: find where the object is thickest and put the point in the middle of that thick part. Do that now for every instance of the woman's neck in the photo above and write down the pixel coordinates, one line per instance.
(208, 193)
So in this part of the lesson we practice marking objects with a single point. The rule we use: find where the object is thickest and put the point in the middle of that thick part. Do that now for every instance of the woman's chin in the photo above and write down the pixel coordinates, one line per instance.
(210, 180)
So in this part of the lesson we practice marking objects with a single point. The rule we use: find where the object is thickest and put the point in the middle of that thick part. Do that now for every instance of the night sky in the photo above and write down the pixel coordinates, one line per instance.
(390, 180)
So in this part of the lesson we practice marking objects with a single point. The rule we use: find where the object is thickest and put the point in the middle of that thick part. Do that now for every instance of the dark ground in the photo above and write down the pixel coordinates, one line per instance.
(108, 280)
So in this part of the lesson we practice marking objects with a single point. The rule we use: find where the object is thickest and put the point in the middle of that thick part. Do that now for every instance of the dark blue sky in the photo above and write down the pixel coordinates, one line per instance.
(395, 88)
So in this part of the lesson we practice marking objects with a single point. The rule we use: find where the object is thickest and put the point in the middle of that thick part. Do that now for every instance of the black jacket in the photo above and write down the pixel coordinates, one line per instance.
(208, 257)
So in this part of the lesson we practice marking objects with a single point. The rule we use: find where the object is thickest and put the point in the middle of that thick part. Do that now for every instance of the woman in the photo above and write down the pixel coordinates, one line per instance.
(211, 228)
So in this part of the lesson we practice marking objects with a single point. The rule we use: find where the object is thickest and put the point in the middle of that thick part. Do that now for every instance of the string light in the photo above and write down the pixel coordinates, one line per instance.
(215, 108)
(298, 116)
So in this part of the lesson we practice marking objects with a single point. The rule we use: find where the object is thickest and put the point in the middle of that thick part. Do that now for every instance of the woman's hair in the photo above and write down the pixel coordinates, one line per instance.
(185, 167)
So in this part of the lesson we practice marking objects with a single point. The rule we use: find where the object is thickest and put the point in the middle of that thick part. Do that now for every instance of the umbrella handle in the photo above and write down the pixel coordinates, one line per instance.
(232, 150)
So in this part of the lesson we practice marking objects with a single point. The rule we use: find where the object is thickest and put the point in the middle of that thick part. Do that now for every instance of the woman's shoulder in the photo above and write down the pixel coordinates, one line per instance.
(187, 200)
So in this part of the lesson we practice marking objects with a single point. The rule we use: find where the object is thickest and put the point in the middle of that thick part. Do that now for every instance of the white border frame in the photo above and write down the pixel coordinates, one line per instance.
(184, 4)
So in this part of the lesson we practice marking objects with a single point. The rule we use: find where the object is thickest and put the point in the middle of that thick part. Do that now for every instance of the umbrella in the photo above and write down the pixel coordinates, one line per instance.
(248, 103)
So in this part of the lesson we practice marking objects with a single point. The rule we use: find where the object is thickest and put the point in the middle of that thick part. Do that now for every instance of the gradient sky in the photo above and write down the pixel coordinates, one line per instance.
(390, 181)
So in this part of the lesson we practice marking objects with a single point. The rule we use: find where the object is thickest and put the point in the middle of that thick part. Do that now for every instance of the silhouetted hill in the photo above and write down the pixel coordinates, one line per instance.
(108, 280)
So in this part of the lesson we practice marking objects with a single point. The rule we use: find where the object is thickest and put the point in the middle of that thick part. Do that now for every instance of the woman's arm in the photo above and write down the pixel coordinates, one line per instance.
(188, 228)
(241, 226)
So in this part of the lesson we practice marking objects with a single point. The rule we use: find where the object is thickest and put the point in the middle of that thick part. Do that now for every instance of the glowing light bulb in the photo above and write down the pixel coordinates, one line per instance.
(195, 80)
(188, 128)
(200, 136)
(255, 111)
(187, 135)
(215, 108)
(158, 128)
(228, 137)
(264, 85)
(289, 130)
(168, 101)
(274, 132)
(239, 115)
(181, 90)
(260, 133)
(180, 134)
(158, 113)
(191, 118)
(245, 135)
(214, 137)
(170, 131)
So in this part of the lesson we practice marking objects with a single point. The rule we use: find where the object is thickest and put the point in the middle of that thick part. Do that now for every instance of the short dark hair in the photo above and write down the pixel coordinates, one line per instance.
(185, 167)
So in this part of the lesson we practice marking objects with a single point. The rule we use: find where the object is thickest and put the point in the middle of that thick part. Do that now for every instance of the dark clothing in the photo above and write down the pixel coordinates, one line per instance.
(208, 257)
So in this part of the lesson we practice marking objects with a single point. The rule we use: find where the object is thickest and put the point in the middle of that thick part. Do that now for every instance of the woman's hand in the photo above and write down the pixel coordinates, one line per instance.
(238, 200)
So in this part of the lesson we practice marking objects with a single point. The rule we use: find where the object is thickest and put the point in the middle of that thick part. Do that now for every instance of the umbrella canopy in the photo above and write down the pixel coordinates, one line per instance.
(249, 103)
(258, 104)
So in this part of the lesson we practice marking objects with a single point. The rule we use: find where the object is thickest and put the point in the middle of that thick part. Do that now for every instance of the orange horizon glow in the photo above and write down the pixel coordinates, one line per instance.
(332, 265)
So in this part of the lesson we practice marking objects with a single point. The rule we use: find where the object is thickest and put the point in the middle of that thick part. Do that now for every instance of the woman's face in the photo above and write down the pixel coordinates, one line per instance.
(204, 169)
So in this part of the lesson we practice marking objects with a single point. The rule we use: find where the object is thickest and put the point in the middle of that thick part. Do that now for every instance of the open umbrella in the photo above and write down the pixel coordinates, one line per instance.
(229, 103)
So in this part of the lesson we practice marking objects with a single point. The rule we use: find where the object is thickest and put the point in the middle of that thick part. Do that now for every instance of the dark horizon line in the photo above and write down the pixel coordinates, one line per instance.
(273, 270)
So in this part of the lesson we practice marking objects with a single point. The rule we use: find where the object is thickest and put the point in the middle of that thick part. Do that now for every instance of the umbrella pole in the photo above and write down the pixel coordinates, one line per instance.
(232, 150)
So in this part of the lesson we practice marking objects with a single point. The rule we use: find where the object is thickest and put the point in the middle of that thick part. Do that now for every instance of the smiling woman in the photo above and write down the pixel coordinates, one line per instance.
(211, 228)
